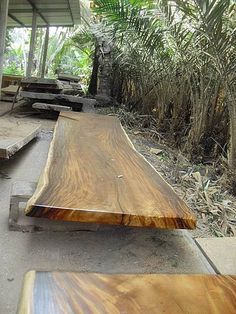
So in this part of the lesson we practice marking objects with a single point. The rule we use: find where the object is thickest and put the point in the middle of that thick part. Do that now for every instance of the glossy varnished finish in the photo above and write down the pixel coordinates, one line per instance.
(75, 293)
(94, 174)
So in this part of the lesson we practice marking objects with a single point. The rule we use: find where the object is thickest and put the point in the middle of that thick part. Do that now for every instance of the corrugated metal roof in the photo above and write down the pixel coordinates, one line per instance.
(50, 12)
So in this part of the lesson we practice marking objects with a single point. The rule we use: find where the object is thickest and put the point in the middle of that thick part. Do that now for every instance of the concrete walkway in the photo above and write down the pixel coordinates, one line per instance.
(108, 250)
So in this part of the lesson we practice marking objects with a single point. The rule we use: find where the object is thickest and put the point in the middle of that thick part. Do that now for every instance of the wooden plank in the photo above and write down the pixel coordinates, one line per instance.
(94, 174)
(42, 96)
(41, 81)
(59, 292)
(59, 98)
(15, 135)
(41, 85)
(74, 101)
(10, 80)
(68, 77)
(6, 98)
(10, 90)
(44, 106)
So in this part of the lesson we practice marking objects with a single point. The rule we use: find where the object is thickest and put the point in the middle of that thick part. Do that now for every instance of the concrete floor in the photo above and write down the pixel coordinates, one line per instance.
(108, 250)
(4, 107)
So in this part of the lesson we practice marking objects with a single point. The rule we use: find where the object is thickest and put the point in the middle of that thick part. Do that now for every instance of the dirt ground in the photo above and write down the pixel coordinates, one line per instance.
(211, 201)
(108, 250)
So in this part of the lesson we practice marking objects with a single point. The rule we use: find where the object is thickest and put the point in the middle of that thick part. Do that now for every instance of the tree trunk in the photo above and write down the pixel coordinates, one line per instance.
(232, 144)
(40, 53)
(105, 68)
(92, 90)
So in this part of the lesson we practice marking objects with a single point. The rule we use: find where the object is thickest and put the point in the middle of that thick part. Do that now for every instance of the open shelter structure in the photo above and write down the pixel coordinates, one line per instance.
(33, 14)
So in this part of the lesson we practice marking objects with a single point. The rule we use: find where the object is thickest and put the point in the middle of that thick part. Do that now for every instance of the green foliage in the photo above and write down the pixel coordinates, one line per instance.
(70, 50)
(76, 54)
(176, 59)
(13, 69)
(15, 55)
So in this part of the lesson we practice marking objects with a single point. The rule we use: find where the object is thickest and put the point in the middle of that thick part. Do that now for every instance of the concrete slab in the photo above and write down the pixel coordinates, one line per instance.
(221, 253)
(108, 250)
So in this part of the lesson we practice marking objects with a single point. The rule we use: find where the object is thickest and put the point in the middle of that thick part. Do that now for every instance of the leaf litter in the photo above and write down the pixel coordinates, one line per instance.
(201, 186)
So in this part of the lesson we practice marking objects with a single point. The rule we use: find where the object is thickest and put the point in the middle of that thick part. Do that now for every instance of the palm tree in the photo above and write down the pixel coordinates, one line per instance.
(176, 59)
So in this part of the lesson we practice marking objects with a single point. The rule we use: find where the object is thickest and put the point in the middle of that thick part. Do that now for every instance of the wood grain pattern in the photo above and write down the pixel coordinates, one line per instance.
(93, 174)
(76, 293)
(14, 135)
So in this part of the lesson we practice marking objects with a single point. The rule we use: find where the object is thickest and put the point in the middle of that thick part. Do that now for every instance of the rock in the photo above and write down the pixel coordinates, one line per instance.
(156, 151)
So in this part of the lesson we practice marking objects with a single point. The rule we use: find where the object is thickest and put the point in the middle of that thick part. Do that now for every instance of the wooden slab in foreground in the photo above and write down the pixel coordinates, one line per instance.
(94, 174)
(14, 135)
(77, 293)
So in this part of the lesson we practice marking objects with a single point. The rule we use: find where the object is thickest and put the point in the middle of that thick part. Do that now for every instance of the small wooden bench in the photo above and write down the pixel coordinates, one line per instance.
(77, 293)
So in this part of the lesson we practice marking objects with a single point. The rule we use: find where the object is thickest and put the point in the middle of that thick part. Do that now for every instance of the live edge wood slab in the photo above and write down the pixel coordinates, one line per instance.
(77, 293)
(14, 135)
(94, 175)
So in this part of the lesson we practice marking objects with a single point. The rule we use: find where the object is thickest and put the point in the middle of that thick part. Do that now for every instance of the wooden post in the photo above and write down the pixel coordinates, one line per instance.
(32, 44)
(3, 26)
(45, 52)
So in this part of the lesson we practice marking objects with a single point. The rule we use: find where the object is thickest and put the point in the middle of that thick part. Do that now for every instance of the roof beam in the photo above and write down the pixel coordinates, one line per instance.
(71, 14)
(43, 26)
(37, 10)
(15, 19)
(14, 11)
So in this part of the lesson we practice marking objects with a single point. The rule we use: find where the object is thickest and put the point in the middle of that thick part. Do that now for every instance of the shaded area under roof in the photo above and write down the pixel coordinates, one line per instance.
(50, 13)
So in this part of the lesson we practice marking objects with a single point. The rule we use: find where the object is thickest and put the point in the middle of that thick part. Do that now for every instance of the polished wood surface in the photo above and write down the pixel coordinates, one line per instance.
(93, 174)
(77, 293)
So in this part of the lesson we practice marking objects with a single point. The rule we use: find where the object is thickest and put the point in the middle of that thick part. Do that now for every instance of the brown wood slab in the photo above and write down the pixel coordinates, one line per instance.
(77, 293)
(94, 174)
(14, 135)
(10, 90)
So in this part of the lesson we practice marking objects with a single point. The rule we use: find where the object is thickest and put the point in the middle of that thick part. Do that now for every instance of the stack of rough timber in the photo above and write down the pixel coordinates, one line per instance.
(94, 175)
(68, 77)
(71, 85)
(39, 85)
(49, 91)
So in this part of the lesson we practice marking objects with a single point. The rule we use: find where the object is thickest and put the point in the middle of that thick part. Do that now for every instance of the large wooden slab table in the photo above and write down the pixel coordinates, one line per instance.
(77, 293)
(94, 175)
